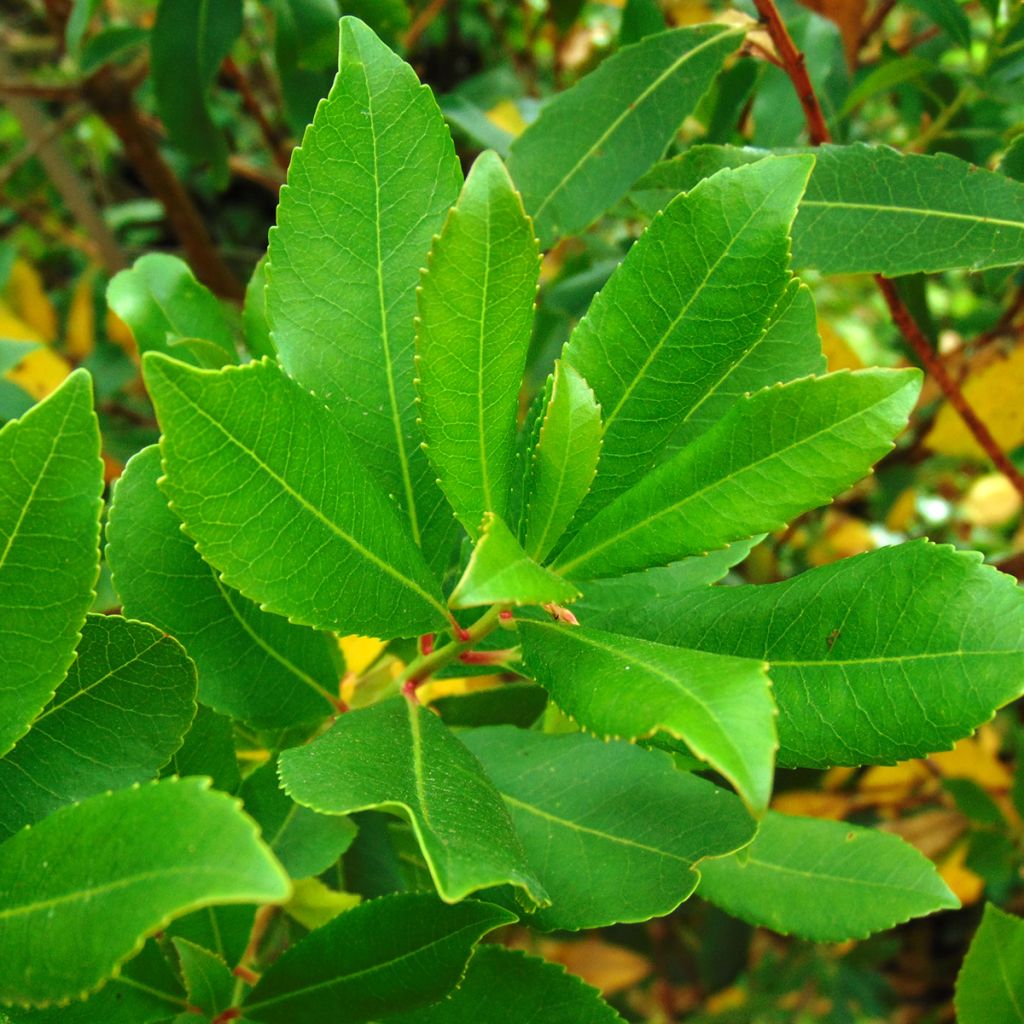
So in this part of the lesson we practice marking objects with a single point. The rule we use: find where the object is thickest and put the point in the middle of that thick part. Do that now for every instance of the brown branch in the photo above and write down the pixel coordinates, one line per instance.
(40, 91)
(795, 67)
(875, 22)
(933, 364)
(422, 22)
(110, 95)
(271, 136)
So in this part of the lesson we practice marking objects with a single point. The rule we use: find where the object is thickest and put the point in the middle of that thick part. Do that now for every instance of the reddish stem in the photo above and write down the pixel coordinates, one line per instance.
(933, 364)
(427, 643)
(488, 657)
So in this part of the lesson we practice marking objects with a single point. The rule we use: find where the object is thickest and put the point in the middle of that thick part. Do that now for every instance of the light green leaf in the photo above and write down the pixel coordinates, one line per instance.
(399, 757)
(614, 830)
(668, 339)
(127, 701)
(113, 869)
(163, 304)
(13, 352)
(990, 987)
(564, 461)
(399, 952)
(366, 192)
(253, 666)
(49, 546)
(949, 16)
(720, 707)
(306, 843)
(475, 306)
(827, 881)
(886, 656)
(208, 979)
(500, 572)
(593, 141)
(190, 40)
(872, 209)
(614, 604)
(254, 313)
(773, 455)
(503, 985)
(241, 482)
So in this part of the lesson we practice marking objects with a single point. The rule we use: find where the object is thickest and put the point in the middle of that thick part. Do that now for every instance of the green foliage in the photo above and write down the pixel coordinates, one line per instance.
(566, 469)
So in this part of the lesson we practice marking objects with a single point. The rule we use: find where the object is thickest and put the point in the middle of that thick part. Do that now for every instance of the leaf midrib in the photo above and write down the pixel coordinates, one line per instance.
(911, 210)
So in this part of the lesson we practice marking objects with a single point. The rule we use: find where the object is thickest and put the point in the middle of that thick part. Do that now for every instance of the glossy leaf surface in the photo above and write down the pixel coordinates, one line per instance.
(990, 987)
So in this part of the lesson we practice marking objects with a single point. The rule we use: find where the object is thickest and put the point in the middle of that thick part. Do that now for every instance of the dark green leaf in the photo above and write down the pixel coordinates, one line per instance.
(366, 192)
(720, 707)
(127, 701)
(475, 306)
(113, 869)
(593, 141)
(208, 980)
(349, 564)
(385, 956)
(828, 881)
(613, 830)
(772, 456)
(500, 571)
(253, 666)
(398, 756)
(49, 547)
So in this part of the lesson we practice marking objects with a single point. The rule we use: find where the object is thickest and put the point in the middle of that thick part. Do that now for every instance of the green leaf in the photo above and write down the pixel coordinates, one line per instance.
(772, 456)
(475, 306)
(398, 953)
(208, 749)
(305, 55)
(503, 985)
(49, 546)
(564, 461)
(669, 338)
(617, 835)
(886, 656)
(115, 868)
(253, 666)
(500, 571)
(163, 303)
(594, 140)
(127, 701)
(509, 704)
(990, 987)
(720, 707)
(827, 881)
(208, 979)
(190, 40)
(949, 16)
(254, 314)
(366, 192)
(399, 757)
(872, 209)
(306, 843)
(349, 563)
(615, 604)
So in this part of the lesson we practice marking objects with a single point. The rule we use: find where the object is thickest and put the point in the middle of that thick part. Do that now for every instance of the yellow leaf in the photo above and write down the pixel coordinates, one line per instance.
(966, 885)
(838, 353)
(689, 12)
(903, 511)
(27, 297)
(887, 785)
(80, 336)
(996, 393)
(970, 759)
(608, 968)
(844, 536)
(505, 115)
(360, 652)
(810, 803)
(991, 501)
(14, 328)
(457, 687)
(40, 372)
(120, 333)
(731, 998)
(932, 832)
(313, 904)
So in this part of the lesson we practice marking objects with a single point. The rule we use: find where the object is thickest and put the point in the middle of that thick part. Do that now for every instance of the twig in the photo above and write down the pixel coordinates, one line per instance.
(422, 22)
(817, 129)
(39, 91)
(795, 66)
(875, 22)
(250, 100)
(933, 364)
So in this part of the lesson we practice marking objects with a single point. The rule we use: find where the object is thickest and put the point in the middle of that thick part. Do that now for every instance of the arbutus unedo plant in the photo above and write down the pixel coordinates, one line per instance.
(371, 469)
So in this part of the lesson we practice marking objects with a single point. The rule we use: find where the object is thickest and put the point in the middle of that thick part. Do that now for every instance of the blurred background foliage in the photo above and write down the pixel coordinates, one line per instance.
(130, 127)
